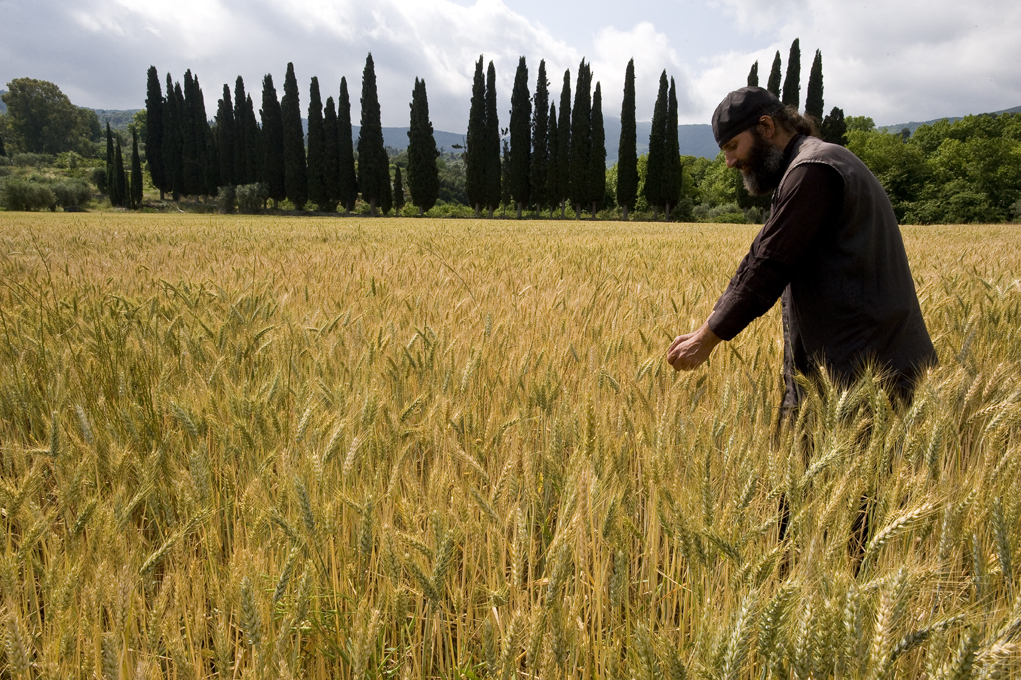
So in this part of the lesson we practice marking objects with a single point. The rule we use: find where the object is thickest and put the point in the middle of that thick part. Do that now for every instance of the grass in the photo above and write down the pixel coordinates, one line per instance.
(351, 448)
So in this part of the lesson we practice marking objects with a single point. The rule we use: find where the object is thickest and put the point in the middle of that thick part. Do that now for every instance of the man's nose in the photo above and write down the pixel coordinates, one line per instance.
(731, 158)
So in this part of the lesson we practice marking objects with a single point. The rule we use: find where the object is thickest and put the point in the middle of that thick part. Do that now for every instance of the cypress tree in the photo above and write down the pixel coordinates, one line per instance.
(834, 129)
(173, 174)
(627, 148)
(295, 171)
(655, 167)
(581, 139)
(348, 181)
(316, 148)
(225, 134)
(491, 143)
(552, 168)
(753, 75)
(211, 165)
(111, 178)
(398, 191)
(122, 180)
(539, 169)
(505, 194)
(813, 97)
(520, 138)
(373, 164)
(253, 144)
(331, 156)
(195, 130)
(672, 156)
(239, 166)
(386, 200)
(564, 145)
(272, 142)
(792, 81)
(154, 130)
(474, 161)
(423, 173)
(597, 153)
(136, 172)
(774, 76)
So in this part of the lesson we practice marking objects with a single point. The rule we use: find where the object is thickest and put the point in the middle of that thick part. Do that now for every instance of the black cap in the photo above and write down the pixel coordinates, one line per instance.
(741, 109)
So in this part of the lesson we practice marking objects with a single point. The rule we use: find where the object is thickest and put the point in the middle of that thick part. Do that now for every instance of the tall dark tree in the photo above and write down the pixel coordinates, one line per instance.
(136, 172)
(348, 180)
(423, 173)
(813, 96)
(505, 194)
(627, 147)
(597, 153)
(520, 138)
(564, 145)
(272, 142)
(111, 169)
(792, 81)
(671, 156)
(3, 150)
(657, 148)
(491, 143)
(331, 156)
(552, 168)
(316, 148)
(373, 163)
(154, 130)
(581, 139)
(225, 135)
(540, 140)
(239, 169)
(398, 191)
(253, 144)
(753, 75)
(195, 152)
(295, 170)
(173, 172)
(475, 157)
(123, 195)
(774, 76)
(386, 201)
(833, 128)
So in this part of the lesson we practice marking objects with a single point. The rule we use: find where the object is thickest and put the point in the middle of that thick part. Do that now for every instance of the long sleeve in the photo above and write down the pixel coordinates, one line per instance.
(810, 199)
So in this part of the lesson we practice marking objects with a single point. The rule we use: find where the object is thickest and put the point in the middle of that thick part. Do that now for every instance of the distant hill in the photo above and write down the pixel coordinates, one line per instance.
(118, 119)
(914, 125)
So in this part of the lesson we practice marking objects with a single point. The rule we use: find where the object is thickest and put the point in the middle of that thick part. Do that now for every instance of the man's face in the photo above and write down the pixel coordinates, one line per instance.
(760, 162)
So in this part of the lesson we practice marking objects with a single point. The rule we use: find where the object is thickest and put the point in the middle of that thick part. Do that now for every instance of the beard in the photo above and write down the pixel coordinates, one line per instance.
(764, 167)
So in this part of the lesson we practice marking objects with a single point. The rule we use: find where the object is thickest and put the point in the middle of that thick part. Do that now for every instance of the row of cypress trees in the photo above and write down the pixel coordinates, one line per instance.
(124, 190)
(832, 126)
(187, 156)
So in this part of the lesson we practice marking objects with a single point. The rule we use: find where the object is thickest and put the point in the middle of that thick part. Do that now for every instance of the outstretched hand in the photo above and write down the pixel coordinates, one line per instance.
(690, 351)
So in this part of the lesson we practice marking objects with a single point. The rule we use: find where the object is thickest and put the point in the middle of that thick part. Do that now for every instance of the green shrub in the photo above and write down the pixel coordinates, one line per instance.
(19, 194)
(98, 178)
(72, 194)
(226, 199)
(32, 160)
(251, 198)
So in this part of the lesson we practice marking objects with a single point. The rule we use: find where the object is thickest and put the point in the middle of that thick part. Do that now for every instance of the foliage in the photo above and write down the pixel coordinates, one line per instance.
(813, 96)
(296, 183)
(348, 180)
(318, 187)
(581, 139)
(273, 173)
(251, 198)
(423, 170)
(519, 184)
(463, 451)
(21, 194)
(656, 167)
(792, 81)
(154, 130)
(41, 119)
(773, 85)
(491, 186)
(627, 155)
(373, 165)
(538, 173)
(596, 175)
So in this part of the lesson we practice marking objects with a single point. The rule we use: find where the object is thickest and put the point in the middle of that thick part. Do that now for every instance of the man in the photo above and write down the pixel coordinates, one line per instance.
(831, 248)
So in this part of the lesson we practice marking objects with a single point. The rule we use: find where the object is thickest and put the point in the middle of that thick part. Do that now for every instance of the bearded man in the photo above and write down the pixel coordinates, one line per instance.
(831, 249)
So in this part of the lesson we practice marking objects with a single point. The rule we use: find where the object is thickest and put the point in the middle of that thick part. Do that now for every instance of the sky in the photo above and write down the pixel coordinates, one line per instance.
(896, 60)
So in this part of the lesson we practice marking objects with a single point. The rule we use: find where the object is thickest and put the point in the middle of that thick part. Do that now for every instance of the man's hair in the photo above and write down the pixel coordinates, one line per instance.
(793, 122)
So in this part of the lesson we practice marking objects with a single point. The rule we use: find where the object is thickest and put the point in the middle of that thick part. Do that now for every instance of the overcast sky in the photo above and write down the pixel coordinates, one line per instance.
(893, 60)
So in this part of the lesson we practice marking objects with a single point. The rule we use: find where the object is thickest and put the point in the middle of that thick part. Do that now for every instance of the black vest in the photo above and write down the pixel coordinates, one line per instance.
(852, 301)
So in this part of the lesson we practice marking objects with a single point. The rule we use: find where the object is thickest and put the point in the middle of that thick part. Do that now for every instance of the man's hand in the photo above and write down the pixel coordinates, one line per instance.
(692, 349)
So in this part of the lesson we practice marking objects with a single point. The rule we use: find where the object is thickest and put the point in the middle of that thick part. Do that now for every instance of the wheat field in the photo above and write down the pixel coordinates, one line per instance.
(396, 448)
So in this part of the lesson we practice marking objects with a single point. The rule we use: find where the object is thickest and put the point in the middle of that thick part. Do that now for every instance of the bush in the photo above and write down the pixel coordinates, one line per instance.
(32, 160)
(19, 194)
(226, 199)
(73, 194)
(98, 178)
(251, 198)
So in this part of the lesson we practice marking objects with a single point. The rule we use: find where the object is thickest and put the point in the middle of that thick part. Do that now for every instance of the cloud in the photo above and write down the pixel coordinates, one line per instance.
(895, 61)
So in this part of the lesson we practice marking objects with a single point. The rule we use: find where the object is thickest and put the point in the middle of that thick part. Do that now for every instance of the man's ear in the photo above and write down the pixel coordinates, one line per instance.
(768, 127)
